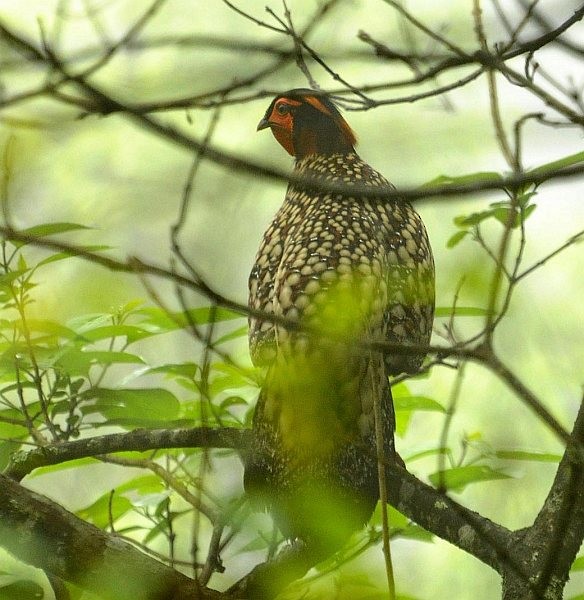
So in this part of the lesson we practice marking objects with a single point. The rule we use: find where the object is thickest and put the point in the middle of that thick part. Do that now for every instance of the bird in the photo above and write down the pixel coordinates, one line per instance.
(338, 268)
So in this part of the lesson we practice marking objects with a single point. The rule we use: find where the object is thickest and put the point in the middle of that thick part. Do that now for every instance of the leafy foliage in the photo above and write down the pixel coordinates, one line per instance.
(53, 374)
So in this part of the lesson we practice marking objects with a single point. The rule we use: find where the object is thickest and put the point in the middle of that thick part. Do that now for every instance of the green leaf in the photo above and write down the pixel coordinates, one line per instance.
(98, 512)
(46, 229)
(413, 403)
(457, 238)
(248, 374)
(472, 219)
(12, 430)
(567, 161)
(50, 327)
(397, 520)
(528, 210)
(232, 401)
(162, 320)
(132, 333)
(76, 361)
(481, 176)
(109, 357)
(151, 500)
(415, 532)
(187, 370)
(65, 255)
(502, 215)
(578, 564)
(161, 528)
(228, 382)
(460, 311)
(402, 422)
(107, 507)
(22, 266)
(457, 478)
(20, 589)
(10, 435)
(129, 308)
(523, 199)
(51, 229)
(232, 335)
(233, 378)
(7, 278)
(85, 323)
(66, 466)
(151, 407)
(400, 389)
(528, 455)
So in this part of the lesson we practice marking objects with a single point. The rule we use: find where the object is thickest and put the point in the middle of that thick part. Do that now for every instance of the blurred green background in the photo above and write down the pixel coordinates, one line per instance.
(126, 184)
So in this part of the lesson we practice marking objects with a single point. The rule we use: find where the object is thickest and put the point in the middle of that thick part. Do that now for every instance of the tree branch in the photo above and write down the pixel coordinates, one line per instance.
(45, 535)
(22, 463)
(105, 103)
(558, 530)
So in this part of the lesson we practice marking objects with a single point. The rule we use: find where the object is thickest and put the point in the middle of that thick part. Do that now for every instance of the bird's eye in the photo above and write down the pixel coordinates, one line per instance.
(283, 109)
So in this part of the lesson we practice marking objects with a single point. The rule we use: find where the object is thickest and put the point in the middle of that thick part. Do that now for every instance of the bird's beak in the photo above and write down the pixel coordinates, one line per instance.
(263, 124)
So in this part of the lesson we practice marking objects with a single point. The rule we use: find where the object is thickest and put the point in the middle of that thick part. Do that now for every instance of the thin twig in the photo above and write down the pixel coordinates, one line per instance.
(380, 444)
(126, 39)
(450, 412)
(456, 50)
(576, 238)
(500, 134)
(171, 481)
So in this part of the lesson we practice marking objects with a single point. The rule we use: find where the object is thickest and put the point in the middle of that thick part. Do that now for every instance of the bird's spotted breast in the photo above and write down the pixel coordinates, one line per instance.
(372, 248)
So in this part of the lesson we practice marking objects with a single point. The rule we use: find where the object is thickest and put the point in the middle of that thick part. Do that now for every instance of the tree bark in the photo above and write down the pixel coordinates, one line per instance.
(547, 549)
(42, 533)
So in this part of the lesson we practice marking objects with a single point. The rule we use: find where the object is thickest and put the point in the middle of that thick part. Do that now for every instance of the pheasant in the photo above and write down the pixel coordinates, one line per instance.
(338, 270)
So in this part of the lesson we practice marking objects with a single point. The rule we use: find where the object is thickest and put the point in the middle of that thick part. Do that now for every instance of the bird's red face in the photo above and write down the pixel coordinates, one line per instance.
(305, 123)
(281, 122)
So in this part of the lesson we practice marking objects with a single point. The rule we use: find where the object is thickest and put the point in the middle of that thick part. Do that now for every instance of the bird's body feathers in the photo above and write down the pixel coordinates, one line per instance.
(348, 270)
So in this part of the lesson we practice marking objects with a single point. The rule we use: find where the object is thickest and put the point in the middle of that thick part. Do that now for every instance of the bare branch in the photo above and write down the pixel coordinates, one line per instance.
(127, 38)
(510, 156)
(576, 238)
(139, 440)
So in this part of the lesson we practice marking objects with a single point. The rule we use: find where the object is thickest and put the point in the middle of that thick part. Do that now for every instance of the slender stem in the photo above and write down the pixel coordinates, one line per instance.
(450, 412)
(508, 154)
(572, 240)
(376, 360)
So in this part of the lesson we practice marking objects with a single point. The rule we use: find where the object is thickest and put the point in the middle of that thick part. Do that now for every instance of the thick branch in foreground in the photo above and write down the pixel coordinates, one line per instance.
(42, 533)
(562, 514)
(548, 548)
(434, 511)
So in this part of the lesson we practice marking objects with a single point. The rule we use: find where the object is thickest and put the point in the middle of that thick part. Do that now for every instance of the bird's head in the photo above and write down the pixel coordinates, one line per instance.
(307, 122)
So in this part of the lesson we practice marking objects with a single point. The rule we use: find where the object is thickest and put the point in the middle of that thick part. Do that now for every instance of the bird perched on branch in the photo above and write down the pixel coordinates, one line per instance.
(340, 267)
